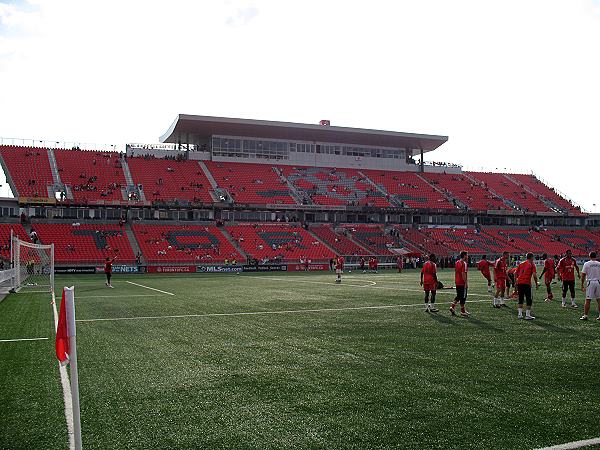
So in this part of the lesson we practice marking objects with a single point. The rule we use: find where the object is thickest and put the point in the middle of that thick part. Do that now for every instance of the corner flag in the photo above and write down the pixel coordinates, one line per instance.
(62, 334)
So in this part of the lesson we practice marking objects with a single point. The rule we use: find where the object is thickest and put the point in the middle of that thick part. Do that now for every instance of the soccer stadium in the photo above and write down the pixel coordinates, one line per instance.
(225, 328)
(263, 224)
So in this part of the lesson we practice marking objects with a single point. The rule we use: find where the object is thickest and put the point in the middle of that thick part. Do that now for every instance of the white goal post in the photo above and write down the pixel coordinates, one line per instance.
(32, 266)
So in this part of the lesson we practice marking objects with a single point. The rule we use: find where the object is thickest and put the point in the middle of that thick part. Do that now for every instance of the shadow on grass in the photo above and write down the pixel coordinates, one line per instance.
(484, 325)
(441, 319)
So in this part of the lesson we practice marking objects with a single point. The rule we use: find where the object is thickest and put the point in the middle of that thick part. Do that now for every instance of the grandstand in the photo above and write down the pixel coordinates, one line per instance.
(279, 192)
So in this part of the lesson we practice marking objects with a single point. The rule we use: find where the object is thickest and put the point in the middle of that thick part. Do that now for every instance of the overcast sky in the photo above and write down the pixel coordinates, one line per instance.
(514, 83)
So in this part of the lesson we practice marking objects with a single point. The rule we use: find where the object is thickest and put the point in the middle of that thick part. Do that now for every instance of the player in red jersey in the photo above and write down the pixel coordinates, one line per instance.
(566, 273)
(400, 263)
(525, 273)
(511, 279)
(500, 266)
(339, 268)
(429, 282)
(108, 269)
(361, 263)
(484, 267)
(375, 263)
(549, 273)
(462, 284)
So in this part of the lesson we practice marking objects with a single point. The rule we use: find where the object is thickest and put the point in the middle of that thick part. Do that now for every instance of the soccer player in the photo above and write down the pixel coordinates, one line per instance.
(339, 268)
(566, 273)
(525, 273)
(108, 269)
(429, 282)
(375, 263)
(500, 266)
(400, 263)
(484, 267)
(362, 262)
(549, 273)
(590, 284)
(460, 280)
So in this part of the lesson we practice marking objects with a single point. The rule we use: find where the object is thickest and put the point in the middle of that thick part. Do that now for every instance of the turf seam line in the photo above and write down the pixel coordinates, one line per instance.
(66, 385)
(24, 339)
(256, 313)
(148, 287)
(574, 444)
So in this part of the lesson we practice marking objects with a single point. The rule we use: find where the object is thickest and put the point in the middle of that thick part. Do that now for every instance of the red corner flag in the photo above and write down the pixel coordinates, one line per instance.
(62, 335)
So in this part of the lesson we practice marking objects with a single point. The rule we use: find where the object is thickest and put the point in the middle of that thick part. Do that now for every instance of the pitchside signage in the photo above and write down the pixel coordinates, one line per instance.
(219, 269)
(120, 269)
(171, 269)
(266, 268)
(74, 270)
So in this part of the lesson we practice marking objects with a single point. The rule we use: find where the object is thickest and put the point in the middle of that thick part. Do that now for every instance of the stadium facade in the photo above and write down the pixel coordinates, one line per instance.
(354, 191)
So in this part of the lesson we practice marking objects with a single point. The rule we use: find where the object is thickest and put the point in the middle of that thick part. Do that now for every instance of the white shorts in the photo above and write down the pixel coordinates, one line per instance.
(338, 271)
(592, 291)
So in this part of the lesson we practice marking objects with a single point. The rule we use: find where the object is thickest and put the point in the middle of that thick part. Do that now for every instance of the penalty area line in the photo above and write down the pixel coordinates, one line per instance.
(574, 444)
(24, 339)
(258, 313)
(148, 287)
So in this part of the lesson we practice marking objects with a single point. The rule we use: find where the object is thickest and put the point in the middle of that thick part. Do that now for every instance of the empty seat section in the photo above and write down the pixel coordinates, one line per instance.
(86, 243)
(91, 175)
(373, 238)
(509, 190)
(528, 240)
(251, 183)
(474, 194)
(170, 180)
(474, 241)
(408, 189)
(19, 232)
(29, 169)
(547, 192)
(340, 243)
(184, 244)
(284, 242)
(335, 187)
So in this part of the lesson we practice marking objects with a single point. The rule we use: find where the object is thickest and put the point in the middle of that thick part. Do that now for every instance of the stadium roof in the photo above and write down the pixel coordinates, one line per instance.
(189, 128)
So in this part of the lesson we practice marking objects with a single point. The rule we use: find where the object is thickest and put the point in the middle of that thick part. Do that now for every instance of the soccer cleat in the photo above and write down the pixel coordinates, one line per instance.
(598, 318)
(427, 308)
(452, 311)
(574, 305)
(529, 317)
(111, 286)
(489, 289)
(338, 280)
(465, 313)
(564, 305)
(433, 309)
(584, 317)
(520, 316)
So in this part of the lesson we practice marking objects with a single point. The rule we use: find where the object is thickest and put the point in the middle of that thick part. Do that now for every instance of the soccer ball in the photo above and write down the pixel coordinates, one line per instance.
(349, 271)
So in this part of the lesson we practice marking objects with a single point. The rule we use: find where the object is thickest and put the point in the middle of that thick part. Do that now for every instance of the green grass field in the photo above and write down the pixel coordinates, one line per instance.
(295, 361)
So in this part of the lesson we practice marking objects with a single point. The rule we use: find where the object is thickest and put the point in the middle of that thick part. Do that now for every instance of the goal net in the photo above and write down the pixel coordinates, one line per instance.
(33, 266)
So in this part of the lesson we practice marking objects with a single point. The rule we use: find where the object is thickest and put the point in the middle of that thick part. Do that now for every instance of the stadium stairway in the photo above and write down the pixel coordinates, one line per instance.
(235, 244)
(550, 204)
(131, 186)
(446, 194)
(293, 190)
(58, 184)
(135, 246)
(325, 243)
(211, 179)
(506, 201)
(391, 198)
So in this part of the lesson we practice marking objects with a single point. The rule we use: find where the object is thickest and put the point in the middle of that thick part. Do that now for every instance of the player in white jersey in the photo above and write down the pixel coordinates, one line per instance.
(590, 284)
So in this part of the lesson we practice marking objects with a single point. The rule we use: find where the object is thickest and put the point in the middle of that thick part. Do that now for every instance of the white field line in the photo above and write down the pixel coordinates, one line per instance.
(572, 445)
(24, 339)
(374, 285)
(66, 385)
(148, 287)
(79, 297)
(258, 313)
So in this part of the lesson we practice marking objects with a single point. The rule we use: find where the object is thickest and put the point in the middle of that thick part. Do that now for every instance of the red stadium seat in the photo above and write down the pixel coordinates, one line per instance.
(29, 169)
(184, 244)
(85, 243)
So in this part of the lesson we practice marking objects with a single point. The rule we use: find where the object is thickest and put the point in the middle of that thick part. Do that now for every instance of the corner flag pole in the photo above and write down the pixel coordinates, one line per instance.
(70, 306)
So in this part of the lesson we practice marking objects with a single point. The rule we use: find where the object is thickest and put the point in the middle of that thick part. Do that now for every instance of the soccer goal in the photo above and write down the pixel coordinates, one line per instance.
(33, 266)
